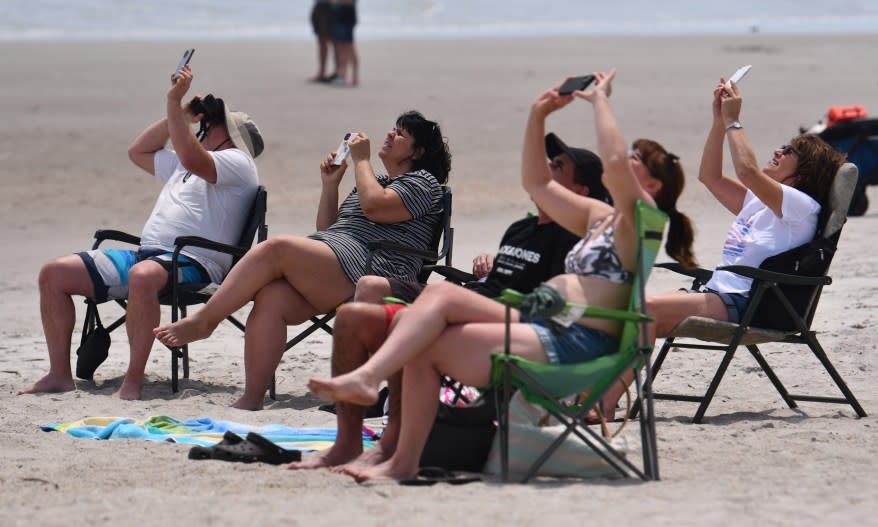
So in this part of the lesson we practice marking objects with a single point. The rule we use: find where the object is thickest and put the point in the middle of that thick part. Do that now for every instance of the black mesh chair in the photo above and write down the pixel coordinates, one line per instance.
(180, 296)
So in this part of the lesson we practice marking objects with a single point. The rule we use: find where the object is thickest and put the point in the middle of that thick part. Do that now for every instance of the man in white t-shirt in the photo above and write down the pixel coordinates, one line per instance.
(210, 180)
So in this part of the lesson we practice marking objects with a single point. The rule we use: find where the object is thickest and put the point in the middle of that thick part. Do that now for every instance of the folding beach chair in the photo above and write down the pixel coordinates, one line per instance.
(180, 296)
(784, 296)
(858, 138)
(548, 385)
(441, 244)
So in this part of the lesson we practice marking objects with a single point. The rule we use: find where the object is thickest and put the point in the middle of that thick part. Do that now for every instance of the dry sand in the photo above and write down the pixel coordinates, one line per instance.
(70, 110)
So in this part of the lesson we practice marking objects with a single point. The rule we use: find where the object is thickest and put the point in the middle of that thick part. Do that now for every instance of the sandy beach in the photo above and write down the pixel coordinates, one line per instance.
(71, 109)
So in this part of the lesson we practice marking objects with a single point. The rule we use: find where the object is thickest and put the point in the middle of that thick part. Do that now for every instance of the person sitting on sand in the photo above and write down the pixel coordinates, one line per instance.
(207, 184)
(449, 330)
(292, 278)
(776, 209)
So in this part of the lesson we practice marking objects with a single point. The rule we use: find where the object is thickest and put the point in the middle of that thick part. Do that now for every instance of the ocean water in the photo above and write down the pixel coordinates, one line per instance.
(34, 20)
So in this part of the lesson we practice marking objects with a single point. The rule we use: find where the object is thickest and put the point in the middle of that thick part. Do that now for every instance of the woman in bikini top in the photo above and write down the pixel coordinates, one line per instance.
(596, 256)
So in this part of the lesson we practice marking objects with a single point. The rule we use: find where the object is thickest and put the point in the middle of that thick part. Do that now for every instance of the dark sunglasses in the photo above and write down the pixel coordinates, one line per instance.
(786, 150)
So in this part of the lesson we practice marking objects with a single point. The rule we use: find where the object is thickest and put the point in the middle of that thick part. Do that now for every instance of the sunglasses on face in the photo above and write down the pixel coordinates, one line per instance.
(786, 150)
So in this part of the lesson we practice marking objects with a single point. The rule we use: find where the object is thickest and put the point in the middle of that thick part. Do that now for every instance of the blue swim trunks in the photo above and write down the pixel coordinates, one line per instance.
(574, 344)
(108, 269)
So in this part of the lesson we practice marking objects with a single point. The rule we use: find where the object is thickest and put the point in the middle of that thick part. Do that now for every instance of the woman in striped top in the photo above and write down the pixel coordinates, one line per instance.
(292, 278)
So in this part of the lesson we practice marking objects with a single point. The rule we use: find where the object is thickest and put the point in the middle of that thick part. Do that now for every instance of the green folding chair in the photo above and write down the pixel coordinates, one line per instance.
(548, 385)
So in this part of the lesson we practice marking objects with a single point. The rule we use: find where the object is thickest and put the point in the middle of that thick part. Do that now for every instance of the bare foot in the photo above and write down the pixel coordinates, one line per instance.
(129, 391)
(349, 388)
(385, 470)
(593, 417)
(244, 404)
(183, 332)
(50, 384)
(336, 455)
(369, 458)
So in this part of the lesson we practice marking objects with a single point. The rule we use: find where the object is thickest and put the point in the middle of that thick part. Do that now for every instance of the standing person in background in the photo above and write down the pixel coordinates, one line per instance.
(343, 40)
(323, 23)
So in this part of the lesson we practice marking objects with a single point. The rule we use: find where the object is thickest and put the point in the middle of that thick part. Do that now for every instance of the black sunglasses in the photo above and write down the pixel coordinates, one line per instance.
(786, 150)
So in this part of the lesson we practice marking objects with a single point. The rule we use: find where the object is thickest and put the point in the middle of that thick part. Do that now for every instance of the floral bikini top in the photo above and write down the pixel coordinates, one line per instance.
(598, 257)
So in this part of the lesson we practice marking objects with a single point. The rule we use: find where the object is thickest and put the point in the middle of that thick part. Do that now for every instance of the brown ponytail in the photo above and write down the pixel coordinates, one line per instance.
(665, 167)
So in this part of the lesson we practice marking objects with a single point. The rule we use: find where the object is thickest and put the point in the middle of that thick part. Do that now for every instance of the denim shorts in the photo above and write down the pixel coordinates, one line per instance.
(736, 303)
(574, 344)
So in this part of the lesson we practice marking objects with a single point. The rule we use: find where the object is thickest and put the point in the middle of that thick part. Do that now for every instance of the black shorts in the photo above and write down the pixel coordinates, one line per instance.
(406, 291)
(323, 20)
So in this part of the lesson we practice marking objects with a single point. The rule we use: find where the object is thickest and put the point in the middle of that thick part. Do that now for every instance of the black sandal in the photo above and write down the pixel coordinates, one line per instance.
(433, 475)
(254, 449)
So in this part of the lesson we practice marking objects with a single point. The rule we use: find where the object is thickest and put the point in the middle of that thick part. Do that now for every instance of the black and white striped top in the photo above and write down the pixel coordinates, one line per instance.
(347, 237)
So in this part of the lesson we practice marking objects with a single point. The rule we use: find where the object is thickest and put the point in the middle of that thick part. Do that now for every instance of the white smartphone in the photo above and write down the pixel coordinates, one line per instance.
(187, 56)
(738, 75)
(343, 149)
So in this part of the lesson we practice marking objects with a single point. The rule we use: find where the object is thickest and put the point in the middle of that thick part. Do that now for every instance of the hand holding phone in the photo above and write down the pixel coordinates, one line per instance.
(343, 149)
(738, 75)
(187, 56)
(575, 84)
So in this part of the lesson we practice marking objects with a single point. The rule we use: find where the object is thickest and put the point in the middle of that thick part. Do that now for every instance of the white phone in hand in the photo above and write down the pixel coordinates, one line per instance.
(738, 75)
(187, 56)
(343, 149)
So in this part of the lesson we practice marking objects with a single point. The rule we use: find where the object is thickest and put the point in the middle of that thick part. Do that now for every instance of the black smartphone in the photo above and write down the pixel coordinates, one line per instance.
(187, 56)
(575, 84)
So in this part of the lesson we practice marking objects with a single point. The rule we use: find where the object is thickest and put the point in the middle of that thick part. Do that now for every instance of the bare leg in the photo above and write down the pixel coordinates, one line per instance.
(276, 306)
(308, 265)
(668, 310)
(386, 446)
(322, 54)
(359, 330)
(343, 55)
(372, 289)
(59, 280)
(461, 351)
(441, 304)
(355, 66)
(145, 281)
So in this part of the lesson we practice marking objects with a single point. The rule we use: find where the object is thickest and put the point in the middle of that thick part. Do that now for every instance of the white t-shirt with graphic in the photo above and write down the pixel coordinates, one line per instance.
(194, 207)
(759, 233)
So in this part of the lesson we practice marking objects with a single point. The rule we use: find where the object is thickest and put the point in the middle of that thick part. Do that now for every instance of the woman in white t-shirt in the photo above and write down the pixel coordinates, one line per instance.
(776, 209)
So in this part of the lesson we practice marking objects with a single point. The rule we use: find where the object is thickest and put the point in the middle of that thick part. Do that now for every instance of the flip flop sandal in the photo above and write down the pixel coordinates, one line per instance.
(273, 453)
(203, 452)
(432, 475)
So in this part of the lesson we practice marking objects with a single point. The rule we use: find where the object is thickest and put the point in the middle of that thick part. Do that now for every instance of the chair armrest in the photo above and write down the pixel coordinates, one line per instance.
(513, 298)
(119, 236)
(452, 273)
(387, 245)
(198, 241)
(771, 276)
(697, 273)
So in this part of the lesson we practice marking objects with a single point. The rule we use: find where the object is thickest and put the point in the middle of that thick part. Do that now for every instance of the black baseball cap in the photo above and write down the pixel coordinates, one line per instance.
(588, 165)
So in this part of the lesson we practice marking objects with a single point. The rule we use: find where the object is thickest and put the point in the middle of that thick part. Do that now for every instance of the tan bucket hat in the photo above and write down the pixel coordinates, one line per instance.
(243, 132)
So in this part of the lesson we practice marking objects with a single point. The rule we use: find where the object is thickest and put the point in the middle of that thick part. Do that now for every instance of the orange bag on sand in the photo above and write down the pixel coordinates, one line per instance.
(837, 114)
